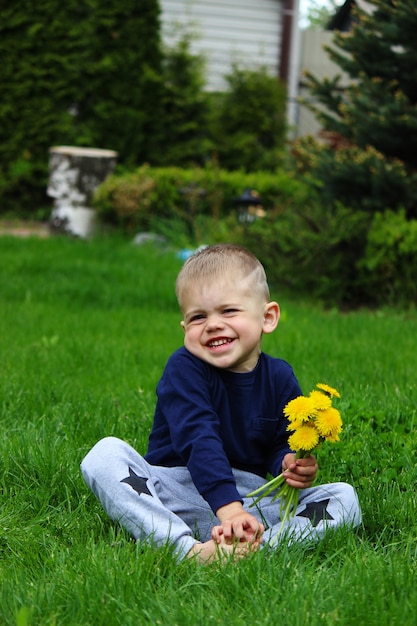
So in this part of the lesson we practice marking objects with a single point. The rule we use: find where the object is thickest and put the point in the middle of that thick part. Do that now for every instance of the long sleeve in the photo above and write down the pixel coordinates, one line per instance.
(187, 429)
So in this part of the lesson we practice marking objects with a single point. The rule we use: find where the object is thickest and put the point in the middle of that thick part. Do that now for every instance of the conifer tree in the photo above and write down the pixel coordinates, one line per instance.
(373, 161)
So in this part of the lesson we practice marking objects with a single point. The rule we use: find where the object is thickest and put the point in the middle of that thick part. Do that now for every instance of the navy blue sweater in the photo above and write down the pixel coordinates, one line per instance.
(211, 420)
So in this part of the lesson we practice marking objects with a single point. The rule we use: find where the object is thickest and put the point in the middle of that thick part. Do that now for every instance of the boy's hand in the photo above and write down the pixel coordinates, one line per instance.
(237, 525)
(300, 473)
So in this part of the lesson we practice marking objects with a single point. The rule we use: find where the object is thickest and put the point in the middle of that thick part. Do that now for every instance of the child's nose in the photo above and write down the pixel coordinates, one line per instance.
(214, 322)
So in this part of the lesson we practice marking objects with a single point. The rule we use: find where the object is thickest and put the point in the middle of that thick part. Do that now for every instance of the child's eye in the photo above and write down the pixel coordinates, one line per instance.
(229, 311)
(196, 318)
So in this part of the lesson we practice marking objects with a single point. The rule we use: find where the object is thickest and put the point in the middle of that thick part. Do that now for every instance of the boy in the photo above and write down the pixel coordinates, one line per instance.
(218, 428)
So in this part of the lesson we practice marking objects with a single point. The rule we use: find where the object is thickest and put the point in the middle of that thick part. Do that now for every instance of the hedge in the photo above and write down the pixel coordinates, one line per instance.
(134, 200)
(74, 73)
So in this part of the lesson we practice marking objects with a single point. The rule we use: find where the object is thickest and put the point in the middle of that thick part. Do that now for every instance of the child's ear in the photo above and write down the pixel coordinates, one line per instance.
(271, 317)
(183, 325)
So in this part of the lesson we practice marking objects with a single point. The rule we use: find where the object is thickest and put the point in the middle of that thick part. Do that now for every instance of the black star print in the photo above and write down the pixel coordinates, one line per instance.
(136, 482)
(316, 511)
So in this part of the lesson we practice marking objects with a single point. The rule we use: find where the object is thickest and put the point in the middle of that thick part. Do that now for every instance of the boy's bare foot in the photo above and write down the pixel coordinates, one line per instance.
(210, 551)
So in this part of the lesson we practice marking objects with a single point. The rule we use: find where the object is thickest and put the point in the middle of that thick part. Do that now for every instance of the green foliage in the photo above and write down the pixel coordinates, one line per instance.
(97, 75)
(241, 128)
(363, 179)
(312, 249)
(140, 199)
(378, 107)
(390, 258)
(117, 105)
(365, 169)
(90, 327)
(377, 110)
(71, 73)
(344, 257)
(248, 121)
(182, 125)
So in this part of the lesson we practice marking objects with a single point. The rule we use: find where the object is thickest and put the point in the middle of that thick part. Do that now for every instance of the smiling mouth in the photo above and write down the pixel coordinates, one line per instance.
(218, 342)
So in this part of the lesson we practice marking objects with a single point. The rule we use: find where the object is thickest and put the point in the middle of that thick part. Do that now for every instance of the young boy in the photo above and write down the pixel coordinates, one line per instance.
(218, 428)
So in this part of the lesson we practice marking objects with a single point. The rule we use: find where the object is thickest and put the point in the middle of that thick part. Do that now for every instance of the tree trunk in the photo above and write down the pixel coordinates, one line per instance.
(74, 174)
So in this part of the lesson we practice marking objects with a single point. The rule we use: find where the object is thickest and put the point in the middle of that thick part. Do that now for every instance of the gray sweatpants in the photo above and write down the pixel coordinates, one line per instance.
(161, 504)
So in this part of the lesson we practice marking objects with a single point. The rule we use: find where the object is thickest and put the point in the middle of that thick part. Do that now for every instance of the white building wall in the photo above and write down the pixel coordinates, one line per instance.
(244, 31)
(315, 60)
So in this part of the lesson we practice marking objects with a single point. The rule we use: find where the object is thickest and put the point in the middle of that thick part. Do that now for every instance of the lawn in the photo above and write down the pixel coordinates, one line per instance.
(85, 330)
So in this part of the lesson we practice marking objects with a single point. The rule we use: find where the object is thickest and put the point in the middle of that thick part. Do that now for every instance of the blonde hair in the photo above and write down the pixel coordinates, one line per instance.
(218, 261)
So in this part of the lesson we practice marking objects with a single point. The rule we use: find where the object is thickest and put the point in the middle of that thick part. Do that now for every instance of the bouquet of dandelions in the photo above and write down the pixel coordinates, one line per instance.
(313, 420)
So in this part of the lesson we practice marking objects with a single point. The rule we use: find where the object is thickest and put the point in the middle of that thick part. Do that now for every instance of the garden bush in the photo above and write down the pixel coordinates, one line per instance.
(342, 257)
(360, 178)
(182, 126)
(140, 199)
(248, 121)
(389, 262)
(313, 250)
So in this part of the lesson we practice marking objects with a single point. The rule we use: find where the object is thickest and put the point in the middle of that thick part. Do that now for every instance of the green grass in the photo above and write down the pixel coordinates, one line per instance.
(85, 330)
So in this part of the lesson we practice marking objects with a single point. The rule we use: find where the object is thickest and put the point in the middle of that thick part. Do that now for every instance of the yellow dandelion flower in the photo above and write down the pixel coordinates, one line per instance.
(296, 424)
(333, 438)
(333, 393)
(312, 420)
(320, 400)
(329, 422)
(299, 410)
(304, 438)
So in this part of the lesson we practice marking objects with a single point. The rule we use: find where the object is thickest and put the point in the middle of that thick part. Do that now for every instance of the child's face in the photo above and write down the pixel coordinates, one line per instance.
(223, 323)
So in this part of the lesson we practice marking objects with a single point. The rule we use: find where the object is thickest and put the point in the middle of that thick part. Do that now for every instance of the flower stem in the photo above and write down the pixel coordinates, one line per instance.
(265, 490)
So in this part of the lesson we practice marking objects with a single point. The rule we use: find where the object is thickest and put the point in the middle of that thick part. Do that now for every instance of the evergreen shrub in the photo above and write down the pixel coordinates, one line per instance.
(342, 256)
(312, 249)
(390, 258)
(362, 178)
(248, 121)
(182, 126)
(78, 74)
